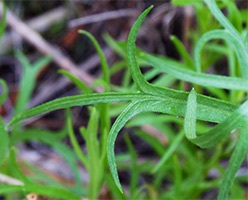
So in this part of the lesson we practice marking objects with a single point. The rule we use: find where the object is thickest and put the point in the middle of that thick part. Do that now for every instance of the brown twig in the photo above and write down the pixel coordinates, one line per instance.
(40, 24)
(44, 47)
(9, 180)
(102, 17)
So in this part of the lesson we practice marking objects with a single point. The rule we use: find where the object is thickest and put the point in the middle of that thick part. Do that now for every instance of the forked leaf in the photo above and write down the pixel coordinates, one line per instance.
(28, 79)
(209, 109)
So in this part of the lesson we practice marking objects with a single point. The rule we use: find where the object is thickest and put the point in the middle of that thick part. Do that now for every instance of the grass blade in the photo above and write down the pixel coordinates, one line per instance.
(4, 141)
(3, 20)
(104, 64)
(94, 161)
(182, 51)
(169, 152)
(15, 169)
(5, 92)
(234, 164)
(74, 141)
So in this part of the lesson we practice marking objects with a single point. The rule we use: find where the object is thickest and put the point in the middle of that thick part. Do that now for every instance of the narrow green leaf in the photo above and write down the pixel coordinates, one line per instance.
(133, 109)
(47, 191)
(23, 60)
(3, 20)
(50, 191)
(234, 164)
(234, 15)
(73, 139)
(185, 3)
(137, 76)
(28, 79)
(135, 171)
(104, 64)
(217, 110)
(53, 140)
(221, 17)
(127, 114)
(94, 162)
(190, 116)
(182, 51)
(5, 92)
(169, 152)
(5, 189)
(15, 168)
(78, 100)
(4, 141)
(175, 69)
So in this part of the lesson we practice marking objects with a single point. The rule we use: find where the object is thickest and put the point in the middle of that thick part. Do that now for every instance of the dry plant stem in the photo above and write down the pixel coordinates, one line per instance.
(43, 46)
(44, 21)
(102, 17)
(40, 24)
(9, 180)
(188, 22)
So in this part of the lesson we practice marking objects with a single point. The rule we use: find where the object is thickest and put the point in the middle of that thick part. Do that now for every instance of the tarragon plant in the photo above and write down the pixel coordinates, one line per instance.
(192, 106)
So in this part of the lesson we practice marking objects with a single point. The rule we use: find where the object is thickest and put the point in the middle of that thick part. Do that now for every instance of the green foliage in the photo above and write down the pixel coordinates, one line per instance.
(3, 20)
(160, 107)
(28, 79)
